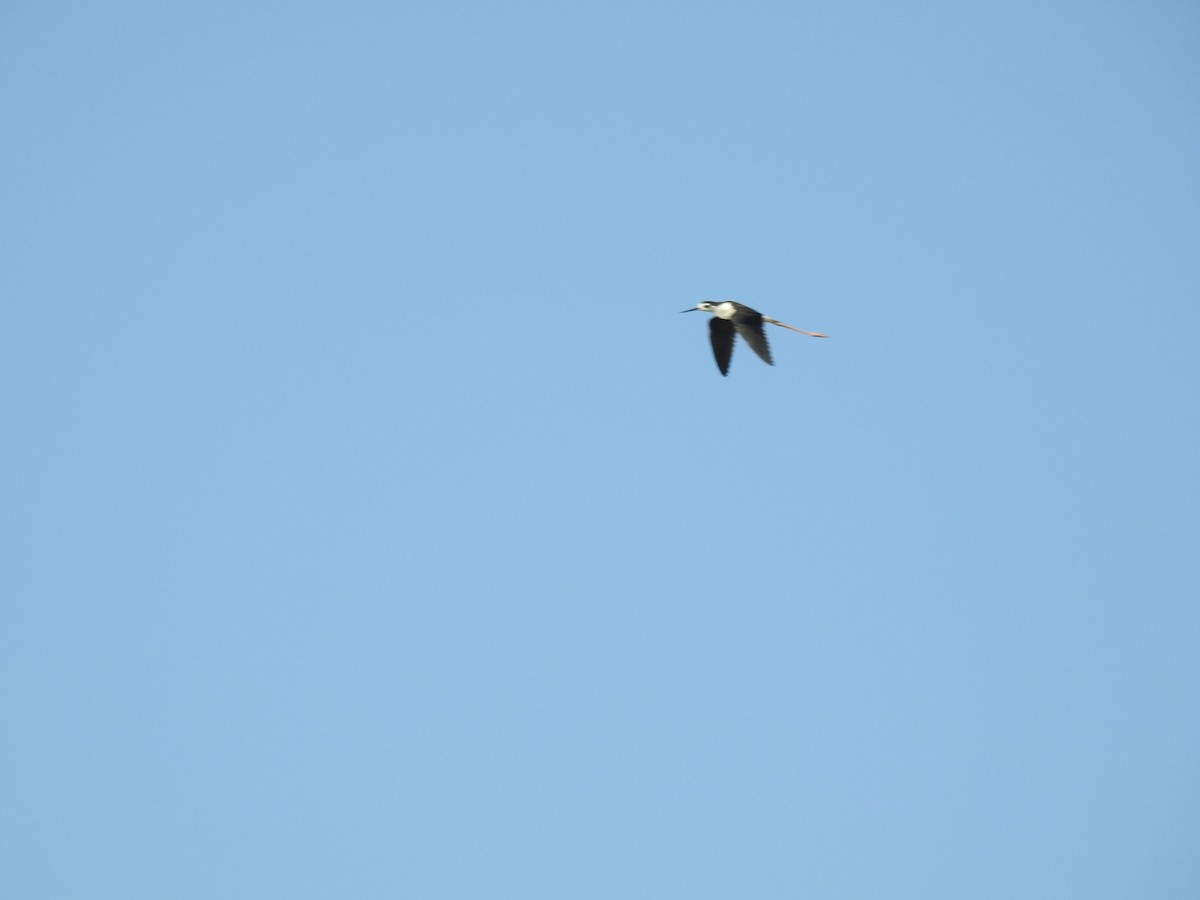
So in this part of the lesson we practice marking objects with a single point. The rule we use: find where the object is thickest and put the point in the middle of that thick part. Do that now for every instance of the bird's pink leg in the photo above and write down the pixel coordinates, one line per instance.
(801, 330)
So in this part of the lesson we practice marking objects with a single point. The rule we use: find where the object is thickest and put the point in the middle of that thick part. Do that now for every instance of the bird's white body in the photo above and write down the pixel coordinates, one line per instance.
(722, 310)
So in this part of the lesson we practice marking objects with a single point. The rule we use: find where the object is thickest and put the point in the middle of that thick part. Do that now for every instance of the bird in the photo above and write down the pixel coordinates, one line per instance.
(730, 319)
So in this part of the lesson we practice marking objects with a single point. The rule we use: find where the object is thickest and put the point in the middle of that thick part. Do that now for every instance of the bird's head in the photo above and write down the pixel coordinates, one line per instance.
(702, 306)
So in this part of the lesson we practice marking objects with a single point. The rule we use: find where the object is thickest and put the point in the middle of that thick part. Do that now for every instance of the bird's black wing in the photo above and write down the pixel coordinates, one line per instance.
(721, 333)
(749, 325)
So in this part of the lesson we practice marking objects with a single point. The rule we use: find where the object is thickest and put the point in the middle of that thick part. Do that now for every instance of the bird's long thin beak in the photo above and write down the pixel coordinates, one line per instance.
(692, 309)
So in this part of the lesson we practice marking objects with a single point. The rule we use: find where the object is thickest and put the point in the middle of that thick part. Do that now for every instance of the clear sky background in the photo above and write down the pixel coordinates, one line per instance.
(374, 525)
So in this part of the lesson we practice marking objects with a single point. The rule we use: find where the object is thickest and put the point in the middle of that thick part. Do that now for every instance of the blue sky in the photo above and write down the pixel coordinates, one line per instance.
(377, 528)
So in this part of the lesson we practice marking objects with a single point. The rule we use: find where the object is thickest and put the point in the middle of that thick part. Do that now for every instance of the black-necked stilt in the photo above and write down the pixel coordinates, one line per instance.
(730, 318)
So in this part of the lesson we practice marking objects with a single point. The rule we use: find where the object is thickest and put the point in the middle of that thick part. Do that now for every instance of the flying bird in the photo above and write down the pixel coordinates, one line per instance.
(731, 319)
